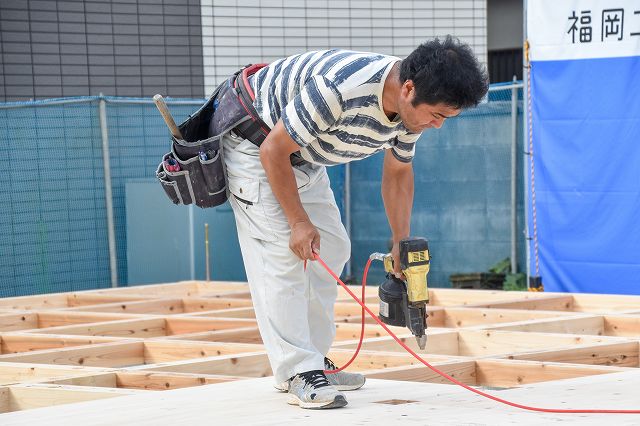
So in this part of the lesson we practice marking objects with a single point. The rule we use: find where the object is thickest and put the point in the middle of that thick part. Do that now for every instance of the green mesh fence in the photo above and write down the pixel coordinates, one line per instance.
(53, 220)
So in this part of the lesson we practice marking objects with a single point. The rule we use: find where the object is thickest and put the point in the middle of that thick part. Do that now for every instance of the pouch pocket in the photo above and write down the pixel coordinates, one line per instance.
(213, 172)
(170, 187)
(176, 181)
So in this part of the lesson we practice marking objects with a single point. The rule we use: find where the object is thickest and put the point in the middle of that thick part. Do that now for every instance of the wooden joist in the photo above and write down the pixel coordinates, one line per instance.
(77, 346)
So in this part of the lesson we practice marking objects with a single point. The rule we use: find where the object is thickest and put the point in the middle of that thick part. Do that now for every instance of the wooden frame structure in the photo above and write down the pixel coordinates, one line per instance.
(71, 347)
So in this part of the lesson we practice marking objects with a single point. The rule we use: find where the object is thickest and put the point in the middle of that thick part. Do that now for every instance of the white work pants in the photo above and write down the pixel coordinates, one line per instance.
(294, 308)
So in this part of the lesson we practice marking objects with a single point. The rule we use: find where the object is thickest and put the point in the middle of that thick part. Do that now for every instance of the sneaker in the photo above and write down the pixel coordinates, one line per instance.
(341, 380)
(312, 390)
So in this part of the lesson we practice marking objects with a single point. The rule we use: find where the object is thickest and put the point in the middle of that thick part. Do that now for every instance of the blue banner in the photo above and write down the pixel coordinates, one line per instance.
(584, 175)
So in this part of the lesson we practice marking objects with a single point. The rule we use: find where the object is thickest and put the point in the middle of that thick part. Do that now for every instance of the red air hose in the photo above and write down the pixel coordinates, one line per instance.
(441, 373)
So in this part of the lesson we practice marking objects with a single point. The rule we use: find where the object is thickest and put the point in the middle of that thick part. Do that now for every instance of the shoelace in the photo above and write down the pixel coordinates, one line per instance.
(329, 365)
(315, 378)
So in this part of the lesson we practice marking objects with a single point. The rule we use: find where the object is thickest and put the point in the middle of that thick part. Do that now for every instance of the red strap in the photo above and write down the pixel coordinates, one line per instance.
(246, 72)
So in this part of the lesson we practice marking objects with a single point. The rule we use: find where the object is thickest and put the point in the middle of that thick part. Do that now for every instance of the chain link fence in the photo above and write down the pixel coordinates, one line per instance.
(66, 163)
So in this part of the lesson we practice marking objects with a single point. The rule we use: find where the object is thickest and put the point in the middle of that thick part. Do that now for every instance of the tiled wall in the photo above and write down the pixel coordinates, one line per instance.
(184, 48)
(235, 33)
(54, 48)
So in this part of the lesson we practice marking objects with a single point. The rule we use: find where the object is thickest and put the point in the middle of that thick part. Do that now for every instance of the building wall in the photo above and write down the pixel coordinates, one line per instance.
(250, 31)
(54, 48)
(504, 24)
(184, 48)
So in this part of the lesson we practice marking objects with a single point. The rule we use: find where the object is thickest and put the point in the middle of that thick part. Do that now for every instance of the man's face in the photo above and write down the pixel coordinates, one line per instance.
(422, 116)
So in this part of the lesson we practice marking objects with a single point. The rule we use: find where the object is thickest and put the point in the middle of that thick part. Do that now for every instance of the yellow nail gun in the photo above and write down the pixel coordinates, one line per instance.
(404, 303)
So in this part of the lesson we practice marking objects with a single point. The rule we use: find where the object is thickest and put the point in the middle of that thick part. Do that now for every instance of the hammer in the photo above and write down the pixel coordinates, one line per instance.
(166, 115)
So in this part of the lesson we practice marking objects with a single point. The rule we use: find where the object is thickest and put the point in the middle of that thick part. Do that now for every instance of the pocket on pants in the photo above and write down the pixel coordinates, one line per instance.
(245, 195)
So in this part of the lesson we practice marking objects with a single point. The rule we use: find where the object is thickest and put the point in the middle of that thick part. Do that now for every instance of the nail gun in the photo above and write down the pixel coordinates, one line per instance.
(403, 302)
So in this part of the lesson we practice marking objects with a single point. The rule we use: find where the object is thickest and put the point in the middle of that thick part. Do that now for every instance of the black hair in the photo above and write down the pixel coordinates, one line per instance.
(445, 72)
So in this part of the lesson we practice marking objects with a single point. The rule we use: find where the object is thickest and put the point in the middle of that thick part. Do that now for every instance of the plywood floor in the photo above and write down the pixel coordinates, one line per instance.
(128, 344)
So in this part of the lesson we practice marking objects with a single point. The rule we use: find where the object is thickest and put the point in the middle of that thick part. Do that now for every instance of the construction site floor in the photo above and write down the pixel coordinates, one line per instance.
(255, 402)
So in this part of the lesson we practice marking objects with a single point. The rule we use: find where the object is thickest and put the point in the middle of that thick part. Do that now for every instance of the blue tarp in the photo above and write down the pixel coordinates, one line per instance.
(586, 181)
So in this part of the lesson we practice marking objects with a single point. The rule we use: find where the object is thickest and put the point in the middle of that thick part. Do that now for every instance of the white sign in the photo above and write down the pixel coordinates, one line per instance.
(581, 29)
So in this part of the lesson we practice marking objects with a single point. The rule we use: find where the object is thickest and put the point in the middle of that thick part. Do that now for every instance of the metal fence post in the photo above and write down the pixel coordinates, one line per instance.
(113, 260)
(514, 159)
(347, 211)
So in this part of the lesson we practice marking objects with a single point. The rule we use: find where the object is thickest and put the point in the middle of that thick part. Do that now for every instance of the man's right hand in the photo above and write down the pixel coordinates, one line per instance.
(304, 240)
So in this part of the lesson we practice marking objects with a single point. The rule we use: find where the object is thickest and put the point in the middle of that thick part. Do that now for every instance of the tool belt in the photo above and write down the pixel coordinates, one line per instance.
(193, 172)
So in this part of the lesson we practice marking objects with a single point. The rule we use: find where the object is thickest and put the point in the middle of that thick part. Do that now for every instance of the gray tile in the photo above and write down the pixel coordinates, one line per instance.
(74, 70)
(39, 58)
(126, 39)
(16, 37)
(104, 7)
(73, 48)
(107, 80)
(19, 79)
(100, 49)
(127, 60)
(41, 15)
(73, 38)
(47, 80)
(101, 70)
(75, 90)
(48, 92)
(100, 39)
(15, 15)
(74, 59)
(16, 58)
(72, 27)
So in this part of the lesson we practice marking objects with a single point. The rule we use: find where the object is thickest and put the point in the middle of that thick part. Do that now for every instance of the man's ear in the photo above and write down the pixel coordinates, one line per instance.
(407, 89)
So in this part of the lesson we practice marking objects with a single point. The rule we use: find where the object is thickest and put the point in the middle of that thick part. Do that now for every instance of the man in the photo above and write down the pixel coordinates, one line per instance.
(326, 108)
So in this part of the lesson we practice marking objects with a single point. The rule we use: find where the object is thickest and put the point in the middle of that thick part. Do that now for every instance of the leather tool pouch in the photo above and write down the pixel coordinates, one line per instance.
(193, 172)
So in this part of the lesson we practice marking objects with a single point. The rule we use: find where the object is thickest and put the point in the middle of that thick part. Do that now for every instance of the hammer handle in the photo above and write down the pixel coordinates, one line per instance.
(164, 111)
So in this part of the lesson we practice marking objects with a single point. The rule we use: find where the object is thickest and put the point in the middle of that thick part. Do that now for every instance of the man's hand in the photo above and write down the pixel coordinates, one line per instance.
(305, 240)
(395, 253)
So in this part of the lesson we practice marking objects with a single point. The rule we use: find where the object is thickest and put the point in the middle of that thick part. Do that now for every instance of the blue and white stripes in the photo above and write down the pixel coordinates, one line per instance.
(330, 102)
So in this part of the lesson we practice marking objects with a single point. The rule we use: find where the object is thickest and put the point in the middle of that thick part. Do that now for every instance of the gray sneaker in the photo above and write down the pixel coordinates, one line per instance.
(341, 380)
(312, 390)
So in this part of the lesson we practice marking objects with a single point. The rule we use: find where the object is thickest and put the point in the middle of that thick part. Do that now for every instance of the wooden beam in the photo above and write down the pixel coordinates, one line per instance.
(166, 351)
(480, 343)
(15, 372)
(592, 325)
(237, 335)
(26, 342)
(153, 307)
(139, 328)
(18, 321)
(438, 343)
(510, 373)
(225, 313)
(628, 325)
(79, 299)
(464, 371)
(243, 365)
(100, 355)
(198, 304)
(182, 325)
(624, 354)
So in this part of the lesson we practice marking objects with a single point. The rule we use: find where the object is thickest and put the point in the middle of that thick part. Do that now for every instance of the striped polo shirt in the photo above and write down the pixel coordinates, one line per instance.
(330, 102)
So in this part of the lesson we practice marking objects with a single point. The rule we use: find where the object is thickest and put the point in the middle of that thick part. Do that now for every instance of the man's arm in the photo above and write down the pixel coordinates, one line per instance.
(397, 194)
(274, 155)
